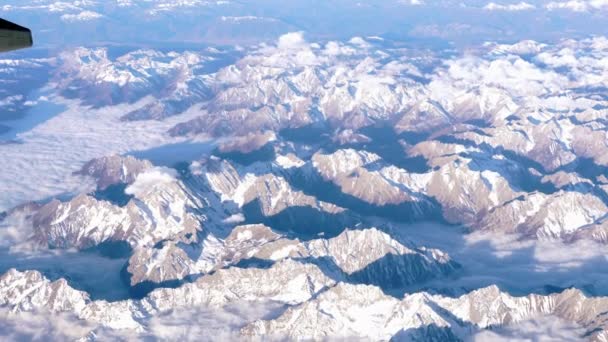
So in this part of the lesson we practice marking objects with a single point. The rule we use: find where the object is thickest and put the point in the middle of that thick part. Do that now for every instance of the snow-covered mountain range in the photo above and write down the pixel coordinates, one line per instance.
(289, 176)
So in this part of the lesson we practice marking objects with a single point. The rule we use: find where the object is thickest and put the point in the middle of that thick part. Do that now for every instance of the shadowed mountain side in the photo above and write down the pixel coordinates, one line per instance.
(412, 137)
(435, 333)
(112, 249)
(428, 333)
(394, 272)
(313, 134)
(264, 154)
(303, 222)
(312, 183)
(391, 147)
(157, 110)
(521, 178)
(576, 121)
(142, 289)
(586, 167)
(161, 109)
(587, 188)
(106, 94)
(512, 155)
(115, 194)
(253, 263)
(172, 154)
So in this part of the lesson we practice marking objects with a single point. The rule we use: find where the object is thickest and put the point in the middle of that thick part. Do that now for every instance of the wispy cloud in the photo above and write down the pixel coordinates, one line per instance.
(82, 16)
(521, 6)
(546, 328)
(578, 5)
(185, 324)
(155, 177)
(38, 326)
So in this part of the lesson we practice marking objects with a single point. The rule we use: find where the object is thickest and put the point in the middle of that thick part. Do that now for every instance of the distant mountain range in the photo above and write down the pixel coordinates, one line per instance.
(188, 23)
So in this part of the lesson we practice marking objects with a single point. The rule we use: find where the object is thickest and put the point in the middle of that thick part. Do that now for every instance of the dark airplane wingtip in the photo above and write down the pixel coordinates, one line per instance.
(14, 37)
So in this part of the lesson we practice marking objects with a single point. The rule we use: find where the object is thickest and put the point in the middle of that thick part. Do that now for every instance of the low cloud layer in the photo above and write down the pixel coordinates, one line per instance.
(32, 326)
(195, 324)
(41, 165)
(516, 264)
(543, 329)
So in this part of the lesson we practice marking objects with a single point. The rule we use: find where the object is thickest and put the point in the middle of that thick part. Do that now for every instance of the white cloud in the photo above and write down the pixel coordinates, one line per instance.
(236, 218)
(164, 6)
(82, 16)
(184, 324)
(578, 5)
(521, 6)
(412, 2)
(564, 57)
(292, 40)
(290, 50)
(510, 73)
(599, 43)
(57, 7)
(548, 255)
(16, 231)
(41, 165)
(150, 179)
(336, 49)
(543, 329)
(360, 42)
(200, 323)
(196, 168)
(556, 255)
(524, 47)
(39, 326)
(514, 263)
(246, 18)
(247, 143)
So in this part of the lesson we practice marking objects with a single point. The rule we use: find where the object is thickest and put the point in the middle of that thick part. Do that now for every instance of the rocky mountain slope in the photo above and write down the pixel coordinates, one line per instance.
(315, 306)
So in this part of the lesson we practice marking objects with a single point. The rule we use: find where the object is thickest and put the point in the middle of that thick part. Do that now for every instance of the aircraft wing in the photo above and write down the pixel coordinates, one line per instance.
(13, 36)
